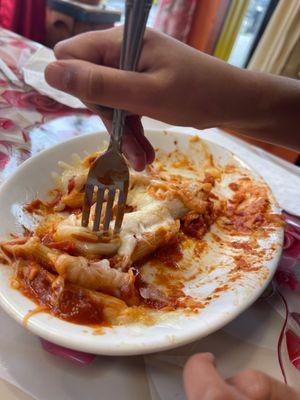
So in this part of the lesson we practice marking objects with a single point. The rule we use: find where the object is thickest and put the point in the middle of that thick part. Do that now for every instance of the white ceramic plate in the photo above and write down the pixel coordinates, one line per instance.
(33, 178)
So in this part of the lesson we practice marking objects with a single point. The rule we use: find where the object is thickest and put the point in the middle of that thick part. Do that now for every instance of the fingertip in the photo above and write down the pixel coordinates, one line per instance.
(254, 384)
(135, 155)
(202, 358)
(50, 72)
(138, 165)
(148, 148)
(60, 50)
(196, 361)
(58, 75)
(137, 161)
(150, 155)
(133, 122)
(133, 151)
(192, 372)
(202, 380)
(131, 148)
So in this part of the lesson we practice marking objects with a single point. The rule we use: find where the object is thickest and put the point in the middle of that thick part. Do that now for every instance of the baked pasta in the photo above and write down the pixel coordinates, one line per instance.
(87, 278)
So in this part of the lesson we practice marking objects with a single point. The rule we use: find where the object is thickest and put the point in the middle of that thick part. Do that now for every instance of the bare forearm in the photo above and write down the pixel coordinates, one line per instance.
(265, 107)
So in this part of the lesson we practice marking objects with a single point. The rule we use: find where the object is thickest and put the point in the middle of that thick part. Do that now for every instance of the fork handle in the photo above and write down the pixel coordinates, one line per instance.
(136, 15)
(118, 124)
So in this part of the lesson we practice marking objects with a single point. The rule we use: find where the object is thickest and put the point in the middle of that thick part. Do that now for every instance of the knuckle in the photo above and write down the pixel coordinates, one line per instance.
(217, 393)
(149, 35)
(258, 382)
(94, 86)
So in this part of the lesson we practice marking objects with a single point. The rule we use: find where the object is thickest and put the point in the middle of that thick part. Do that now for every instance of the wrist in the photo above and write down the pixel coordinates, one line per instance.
(268, 109)
(225, 96)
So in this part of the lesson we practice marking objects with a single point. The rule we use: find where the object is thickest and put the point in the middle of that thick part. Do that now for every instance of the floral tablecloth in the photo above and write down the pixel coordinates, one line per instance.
(31, 122)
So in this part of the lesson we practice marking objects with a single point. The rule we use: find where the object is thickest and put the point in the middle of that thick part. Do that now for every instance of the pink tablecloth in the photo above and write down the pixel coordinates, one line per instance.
(31, 122)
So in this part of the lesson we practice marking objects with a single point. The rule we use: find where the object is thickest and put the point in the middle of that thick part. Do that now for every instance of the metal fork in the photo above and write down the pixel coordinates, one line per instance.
(109, 172)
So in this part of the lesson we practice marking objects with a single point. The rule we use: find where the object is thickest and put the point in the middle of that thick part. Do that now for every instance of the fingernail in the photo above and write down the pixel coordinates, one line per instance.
(58, 75)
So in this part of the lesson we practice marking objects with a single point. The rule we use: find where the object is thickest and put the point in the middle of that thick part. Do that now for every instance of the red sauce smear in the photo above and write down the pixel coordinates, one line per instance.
(245, 219)
(169, 255)
(71, 184)
(71, 305)
(234, 186)
(152, 296)
(196, 225)
(243, 265)
(56, 199)
(242, 245)
(65, 245)
(209, 179)
(161, 303)
(221, 288)
(33, 206)
(47, 238)
(37, 204)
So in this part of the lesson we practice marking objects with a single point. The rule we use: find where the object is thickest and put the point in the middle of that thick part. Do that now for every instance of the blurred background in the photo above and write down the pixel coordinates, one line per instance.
(261, 35)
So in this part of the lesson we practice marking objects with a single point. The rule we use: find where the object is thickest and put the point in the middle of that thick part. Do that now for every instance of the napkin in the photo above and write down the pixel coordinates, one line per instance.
(33, 72)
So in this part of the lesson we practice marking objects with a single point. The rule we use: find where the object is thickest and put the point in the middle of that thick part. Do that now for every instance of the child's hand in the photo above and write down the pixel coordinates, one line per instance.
(175, 83)
(168, 86)
(203, 382)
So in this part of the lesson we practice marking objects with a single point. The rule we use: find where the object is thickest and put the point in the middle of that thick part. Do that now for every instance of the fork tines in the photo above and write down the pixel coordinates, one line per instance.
(109, 193)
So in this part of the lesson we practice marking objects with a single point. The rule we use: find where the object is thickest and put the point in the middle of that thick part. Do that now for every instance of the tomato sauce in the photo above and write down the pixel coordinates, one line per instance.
(56, 199)
(65, 245)
(169, 255)
(71, 184)
(33, 206)
(71, 304)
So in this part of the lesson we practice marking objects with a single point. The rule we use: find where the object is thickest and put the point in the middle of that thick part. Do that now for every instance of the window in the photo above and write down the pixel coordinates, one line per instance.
(249, 30)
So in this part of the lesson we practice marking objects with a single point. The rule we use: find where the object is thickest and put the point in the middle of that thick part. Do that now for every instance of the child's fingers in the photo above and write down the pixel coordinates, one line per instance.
(99, 47)
(131, 91)
(132, 149)
(202, 380)
(259, 386)
(102, 48)
(133, 122)
(134, 127)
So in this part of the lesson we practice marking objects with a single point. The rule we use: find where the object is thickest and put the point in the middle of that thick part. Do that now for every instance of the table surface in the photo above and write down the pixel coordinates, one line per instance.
(31, 122)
